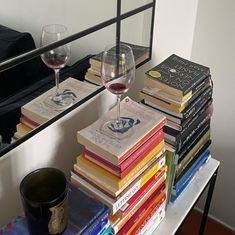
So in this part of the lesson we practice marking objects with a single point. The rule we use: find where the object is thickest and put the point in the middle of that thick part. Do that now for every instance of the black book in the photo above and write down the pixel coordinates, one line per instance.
(177, 76)
(194, 159)
(179, 139)
(189, 112)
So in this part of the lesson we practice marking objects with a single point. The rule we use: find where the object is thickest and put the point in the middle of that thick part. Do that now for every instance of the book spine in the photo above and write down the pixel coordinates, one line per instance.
(104, 178)
(133, 159)
(114, 205)
(198, 103)
(126, 223)
(196, 89)
(141, 197)
(193, 155)
(192, 130)
(156, 212)
(153, 221)
(143, 140)
(143, 149)
(206, 110)
(95, 228)
(198, 135)
(183, 182)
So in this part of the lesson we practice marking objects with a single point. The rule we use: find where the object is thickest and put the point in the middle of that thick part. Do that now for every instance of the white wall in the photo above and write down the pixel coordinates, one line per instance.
(54, 146)
(214, 45)
(174, 33)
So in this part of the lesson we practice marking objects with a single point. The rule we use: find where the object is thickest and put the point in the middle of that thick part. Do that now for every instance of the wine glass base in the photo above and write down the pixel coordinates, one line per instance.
(59, 102)
(117, 130)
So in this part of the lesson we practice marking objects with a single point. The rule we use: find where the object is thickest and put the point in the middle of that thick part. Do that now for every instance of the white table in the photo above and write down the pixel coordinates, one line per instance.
(177, 212)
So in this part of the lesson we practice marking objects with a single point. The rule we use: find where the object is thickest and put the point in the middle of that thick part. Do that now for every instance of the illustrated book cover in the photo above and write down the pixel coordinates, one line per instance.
(141, 123)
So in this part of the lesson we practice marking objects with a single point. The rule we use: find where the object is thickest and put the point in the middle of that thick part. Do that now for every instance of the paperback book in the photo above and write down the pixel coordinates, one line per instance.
(38, 111)
(177, 76)
(141, 122)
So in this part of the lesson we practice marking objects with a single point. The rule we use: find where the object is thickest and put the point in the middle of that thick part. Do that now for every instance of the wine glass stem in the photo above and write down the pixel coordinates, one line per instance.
(57, 73)
(118, 109)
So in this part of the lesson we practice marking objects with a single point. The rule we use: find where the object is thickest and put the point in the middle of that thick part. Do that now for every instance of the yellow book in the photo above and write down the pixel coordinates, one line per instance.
(98, 172)
(106, 183)
(115, 204)
(21, 130)
(163, 103)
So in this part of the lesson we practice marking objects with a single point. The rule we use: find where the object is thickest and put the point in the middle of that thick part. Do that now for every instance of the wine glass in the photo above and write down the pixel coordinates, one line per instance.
(118, 73)
(56, 59)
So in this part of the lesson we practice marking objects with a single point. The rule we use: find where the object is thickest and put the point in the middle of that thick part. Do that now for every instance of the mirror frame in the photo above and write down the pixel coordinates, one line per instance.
(7, 64)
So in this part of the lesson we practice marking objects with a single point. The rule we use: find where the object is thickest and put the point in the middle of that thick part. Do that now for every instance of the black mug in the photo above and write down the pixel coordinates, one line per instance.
(44, 195)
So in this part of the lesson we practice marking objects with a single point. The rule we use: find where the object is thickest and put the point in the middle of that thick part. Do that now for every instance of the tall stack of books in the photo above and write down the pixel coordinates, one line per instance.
(182, 91)
(37, 111)
(128, 175)
(141, 53)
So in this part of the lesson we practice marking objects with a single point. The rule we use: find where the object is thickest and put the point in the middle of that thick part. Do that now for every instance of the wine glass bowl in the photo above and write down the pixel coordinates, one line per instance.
(56, 59)
(118, 74)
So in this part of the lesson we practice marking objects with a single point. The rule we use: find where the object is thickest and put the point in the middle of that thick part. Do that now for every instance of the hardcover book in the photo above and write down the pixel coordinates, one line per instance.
(39, 112)
(144, 123)
(176, 75)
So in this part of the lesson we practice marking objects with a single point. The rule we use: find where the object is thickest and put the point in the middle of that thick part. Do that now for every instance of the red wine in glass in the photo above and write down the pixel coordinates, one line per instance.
(117, 88)
(117, 73)
(56, 59)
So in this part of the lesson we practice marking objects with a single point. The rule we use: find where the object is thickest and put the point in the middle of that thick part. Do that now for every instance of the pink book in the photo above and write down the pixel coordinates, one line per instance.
(132, 160)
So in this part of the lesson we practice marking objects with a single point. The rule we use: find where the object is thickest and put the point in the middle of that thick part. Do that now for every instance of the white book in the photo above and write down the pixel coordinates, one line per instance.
(154, 220)
(39, 111)
(141, 123)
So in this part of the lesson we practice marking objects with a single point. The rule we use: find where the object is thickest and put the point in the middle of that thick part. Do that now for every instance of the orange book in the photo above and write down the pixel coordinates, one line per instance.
(110, 182)
(101, 176)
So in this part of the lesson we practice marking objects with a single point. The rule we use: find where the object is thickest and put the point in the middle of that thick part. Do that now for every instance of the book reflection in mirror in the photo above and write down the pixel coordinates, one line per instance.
(36, 112)
(141, 53)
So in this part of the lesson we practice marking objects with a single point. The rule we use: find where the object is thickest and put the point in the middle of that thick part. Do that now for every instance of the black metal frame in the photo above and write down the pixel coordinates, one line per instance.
(211, 185)
(37, 52)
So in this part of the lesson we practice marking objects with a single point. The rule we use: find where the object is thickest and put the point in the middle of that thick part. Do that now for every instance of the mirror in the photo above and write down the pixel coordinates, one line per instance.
(91, 26)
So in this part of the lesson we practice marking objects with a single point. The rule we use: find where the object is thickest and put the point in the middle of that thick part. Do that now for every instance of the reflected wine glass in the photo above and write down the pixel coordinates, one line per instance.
(56, 59)
(118, 74)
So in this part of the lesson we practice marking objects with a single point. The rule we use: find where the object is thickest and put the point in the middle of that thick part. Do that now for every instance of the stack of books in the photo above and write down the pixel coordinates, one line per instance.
(141, 53)
(182, 91)
(128, 175)
(37, 111)
(86, 215)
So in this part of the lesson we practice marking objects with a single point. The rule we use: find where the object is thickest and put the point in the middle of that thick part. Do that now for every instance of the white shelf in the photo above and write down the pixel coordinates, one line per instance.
(177, 212)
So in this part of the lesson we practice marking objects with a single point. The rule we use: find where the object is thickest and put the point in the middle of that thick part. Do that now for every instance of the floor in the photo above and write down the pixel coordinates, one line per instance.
(191, 226)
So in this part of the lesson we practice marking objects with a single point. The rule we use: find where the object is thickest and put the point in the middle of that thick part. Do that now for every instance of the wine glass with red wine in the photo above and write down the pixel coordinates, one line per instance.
(56, 59)
(118, 74)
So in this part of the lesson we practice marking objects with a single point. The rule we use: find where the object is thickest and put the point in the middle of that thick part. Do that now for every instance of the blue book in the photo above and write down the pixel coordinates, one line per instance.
(85, 212)
(187, 177)
(86, 216)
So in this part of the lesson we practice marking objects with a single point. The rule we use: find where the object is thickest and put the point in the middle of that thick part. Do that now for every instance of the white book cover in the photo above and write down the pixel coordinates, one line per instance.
(39, 111)
(140, 124)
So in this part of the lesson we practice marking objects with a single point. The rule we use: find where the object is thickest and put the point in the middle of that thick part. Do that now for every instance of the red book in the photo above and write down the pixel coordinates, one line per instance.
(122, 169)
(157, 196)
(155, 182)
